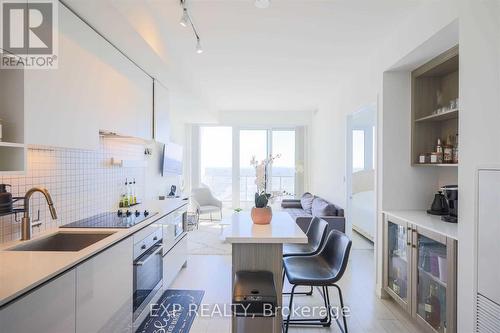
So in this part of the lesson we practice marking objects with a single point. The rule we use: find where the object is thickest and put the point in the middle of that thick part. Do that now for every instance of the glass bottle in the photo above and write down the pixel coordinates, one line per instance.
(455, 150)
(439, 151)
(395, 282)
(126, 200)
(432, 307)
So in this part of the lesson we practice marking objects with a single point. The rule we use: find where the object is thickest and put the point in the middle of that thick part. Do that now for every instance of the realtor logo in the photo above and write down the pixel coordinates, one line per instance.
(29, 34)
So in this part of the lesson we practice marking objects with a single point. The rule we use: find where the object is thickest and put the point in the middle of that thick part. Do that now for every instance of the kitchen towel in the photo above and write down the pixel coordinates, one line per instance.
(174, 312)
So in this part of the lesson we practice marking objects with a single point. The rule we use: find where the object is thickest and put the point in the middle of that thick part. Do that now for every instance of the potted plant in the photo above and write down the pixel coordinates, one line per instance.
(262, 213)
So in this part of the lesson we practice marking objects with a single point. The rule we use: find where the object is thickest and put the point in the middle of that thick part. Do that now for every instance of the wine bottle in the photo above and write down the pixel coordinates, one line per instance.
(432, 308)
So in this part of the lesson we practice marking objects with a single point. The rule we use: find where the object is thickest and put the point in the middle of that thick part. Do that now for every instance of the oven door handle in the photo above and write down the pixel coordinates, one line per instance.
(145, 260)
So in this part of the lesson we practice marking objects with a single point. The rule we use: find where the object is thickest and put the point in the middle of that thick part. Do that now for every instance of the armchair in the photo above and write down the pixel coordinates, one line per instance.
(205, 202)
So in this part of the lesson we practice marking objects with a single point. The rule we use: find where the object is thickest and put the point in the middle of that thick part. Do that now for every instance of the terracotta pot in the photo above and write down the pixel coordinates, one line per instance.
(262, 215)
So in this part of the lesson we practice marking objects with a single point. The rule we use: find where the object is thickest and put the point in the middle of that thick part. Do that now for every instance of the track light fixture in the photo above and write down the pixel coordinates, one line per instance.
(185, 21)
(185, 18)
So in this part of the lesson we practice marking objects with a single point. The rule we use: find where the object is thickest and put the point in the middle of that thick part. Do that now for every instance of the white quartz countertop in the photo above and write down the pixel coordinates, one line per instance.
(424, 220)
(282, 229)
(21, 271)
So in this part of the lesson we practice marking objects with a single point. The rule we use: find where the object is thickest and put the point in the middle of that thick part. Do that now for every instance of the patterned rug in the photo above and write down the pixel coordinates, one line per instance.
(206, 240)
(173, 313)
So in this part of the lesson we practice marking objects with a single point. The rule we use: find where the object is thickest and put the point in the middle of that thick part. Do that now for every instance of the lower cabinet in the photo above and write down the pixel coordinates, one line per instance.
(420, 274)
(104, 287)
(173, 261)
(47, 309)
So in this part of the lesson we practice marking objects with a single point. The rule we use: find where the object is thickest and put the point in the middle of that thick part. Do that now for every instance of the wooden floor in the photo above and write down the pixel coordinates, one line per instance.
(369, 314)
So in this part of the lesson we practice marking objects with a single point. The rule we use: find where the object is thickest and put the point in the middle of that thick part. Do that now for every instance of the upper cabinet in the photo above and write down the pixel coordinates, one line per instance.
(161, 113)
(435, 110)
(94, 88)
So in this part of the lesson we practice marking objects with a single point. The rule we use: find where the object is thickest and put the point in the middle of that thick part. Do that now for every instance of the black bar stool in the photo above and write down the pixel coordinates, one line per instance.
(316, 235)
(323, 270)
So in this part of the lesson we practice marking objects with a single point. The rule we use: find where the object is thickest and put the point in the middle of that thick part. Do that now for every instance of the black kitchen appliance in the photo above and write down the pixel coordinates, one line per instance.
(6, 200)
(439, 205)
(451, 193)
(173, 189)
(119, 220)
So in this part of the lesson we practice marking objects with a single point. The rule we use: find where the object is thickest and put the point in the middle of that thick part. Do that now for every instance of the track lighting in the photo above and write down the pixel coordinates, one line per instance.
(185, 18)
(185, 21)
(199, 49)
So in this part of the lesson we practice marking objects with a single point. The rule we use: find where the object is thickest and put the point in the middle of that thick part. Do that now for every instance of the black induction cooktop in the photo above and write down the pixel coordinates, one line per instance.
(118, 220)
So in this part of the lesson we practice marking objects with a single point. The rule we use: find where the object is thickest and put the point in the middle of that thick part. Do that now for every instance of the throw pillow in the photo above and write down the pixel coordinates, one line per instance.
(321, 207)
(306, 202)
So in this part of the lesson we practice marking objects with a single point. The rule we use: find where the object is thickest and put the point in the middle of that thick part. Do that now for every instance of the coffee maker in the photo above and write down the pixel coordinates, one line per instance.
(451, 194)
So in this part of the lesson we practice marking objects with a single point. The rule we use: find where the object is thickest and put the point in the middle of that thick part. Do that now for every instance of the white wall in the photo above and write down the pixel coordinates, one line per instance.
(479, 122)
(364, 87)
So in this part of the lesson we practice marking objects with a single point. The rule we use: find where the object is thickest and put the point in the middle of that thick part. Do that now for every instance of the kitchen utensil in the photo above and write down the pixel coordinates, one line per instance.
(439, 205)
(5, 199)
(451, 193)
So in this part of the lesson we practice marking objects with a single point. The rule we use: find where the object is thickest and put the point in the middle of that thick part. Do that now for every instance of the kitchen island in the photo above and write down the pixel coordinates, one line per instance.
(260, 248)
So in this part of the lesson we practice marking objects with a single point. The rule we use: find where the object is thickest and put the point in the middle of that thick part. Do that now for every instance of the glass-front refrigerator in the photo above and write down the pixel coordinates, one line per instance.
(398, 268)
(432, 278)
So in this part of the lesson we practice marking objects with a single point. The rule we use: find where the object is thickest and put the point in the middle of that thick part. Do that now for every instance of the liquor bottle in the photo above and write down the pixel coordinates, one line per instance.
(395, 283)
(455, 151)
(432, 307)
(439, 151)
(448, 151)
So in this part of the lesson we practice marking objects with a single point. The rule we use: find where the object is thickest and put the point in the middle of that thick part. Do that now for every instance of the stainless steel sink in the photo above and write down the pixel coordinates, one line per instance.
(62, 242)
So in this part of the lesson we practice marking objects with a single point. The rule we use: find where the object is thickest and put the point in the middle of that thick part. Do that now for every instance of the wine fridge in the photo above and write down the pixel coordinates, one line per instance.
(419, 274)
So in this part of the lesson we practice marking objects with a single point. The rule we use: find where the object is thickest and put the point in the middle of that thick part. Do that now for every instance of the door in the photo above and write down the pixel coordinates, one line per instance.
(434, 287)
(397, 270)
(361, 148)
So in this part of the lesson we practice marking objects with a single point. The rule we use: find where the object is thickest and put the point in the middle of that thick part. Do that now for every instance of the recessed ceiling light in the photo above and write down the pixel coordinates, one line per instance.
(262, 3)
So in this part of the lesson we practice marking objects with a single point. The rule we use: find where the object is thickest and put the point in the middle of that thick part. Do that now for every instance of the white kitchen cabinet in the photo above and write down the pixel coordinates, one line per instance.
(173, 261)
(104, 290)
(161, 113)
(94, 88)
(47, 309)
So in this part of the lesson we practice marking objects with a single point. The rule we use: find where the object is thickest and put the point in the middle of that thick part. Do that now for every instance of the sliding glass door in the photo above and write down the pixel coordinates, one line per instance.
(216, 161)
(283, 168)
(253, 146)
(228, 156)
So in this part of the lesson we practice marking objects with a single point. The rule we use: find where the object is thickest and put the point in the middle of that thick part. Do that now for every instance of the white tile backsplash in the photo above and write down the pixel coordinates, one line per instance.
(81, 183)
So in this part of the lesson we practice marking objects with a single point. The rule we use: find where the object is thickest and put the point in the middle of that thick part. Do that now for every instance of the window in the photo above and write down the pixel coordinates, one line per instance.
(216, 160)
(283, 168)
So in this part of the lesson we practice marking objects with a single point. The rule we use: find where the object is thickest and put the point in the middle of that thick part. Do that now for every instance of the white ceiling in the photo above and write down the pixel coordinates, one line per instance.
(290, 56)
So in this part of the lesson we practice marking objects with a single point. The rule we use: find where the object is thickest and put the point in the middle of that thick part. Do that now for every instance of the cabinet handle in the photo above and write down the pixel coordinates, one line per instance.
(408, 239)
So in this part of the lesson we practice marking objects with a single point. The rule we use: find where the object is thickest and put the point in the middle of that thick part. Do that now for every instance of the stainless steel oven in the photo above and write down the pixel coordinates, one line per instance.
(148, 270)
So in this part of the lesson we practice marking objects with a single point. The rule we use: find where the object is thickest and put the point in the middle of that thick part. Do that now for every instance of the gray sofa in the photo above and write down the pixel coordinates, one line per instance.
(308, 206)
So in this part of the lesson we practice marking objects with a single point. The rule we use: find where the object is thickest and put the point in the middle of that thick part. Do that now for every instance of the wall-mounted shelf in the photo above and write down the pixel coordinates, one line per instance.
(11, 144)
(436, 164)
(434, 87)
(451, 114)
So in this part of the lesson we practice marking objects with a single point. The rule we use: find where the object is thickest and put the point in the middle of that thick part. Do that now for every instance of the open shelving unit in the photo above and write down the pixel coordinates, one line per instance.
(12, 147)
(439, 76)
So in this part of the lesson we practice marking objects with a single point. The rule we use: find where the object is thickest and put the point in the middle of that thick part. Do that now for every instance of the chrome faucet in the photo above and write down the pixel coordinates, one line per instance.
(26, 226)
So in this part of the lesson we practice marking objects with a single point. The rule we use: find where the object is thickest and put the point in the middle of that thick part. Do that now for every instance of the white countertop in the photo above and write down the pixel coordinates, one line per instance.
(282, 229)
(21, 271)
(427, 221)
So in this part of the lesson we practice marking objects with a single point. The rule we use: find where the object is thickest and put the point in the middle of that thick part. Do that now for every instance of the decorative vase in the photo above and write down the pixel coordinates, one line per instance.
(262, 215)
